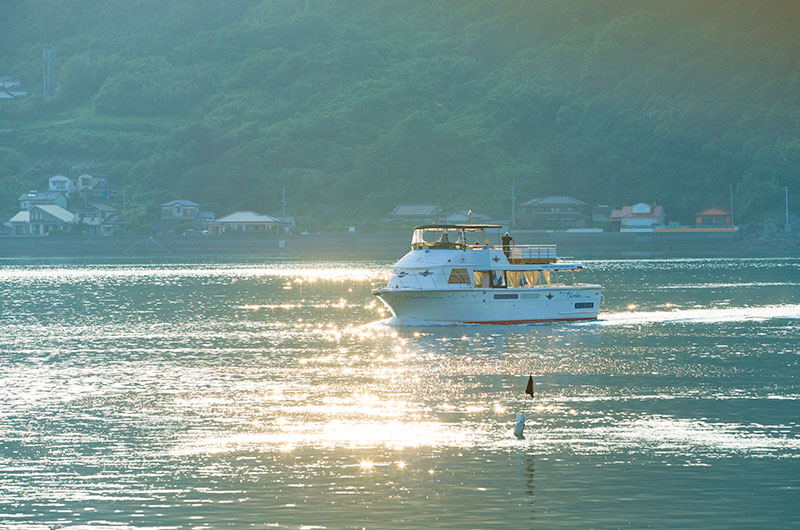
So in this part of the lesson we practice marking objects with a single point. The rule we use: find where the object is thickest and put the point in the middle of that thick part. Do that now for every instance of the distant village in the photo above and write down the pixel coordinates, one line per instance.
(564, 213)
(89, 205)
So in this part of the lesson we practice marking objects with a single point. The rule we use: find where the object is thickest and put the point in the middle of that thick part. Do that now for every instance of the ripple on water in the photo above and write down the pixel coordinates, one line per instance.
(169, 392)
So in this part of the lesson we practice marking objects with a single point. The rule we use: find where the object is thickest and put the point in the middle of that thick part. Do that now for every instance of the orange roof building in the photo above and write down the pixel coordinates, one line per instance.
(713, 216)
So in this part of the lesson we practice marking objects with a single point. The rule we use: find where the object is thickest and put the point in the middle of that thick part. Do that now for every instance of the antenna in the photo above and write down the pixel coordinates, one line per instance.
(513, 200)
(786, 226)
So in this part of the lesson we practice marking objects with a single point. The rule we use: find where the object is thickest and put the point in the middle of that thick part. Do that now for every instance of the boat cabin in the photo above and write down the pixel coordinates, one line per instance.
(460, 256)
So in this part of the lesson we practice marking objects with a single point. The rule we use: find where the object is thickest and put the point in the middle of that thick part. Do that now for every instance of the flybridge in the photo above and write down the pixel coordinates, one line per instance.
(472, 237)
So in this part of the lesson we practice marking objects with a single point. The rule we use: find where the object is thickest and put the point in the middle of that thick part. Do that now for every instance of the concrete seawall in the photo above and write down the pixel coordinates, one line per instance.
(382, 245)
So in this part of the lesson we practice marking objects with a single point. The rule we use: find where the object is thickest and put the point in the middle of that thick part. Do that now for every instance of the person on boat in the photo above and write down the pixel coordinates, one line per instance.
(507, 242)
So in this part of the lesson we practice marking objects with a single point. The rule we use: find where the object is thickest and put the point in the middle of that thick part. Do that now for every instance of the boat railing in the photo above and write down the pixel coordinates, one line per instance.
(524, 254)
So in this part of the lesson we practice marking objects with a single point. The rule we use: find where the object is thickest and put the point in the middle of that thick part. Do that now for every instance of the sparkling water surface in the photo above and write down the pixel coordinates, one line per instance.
(244, 394)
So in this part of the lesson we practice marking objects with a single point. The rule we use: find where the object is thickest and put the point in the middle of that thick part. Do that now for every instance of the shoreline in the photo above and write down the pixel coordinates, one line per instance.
(390, 245)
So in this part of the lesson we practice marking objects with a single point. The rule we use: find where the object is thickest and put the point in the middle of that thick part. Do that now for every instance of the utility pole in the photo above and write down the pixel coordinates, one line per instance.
(732, 222)
(513, 200)
(284, 219)
(48, 72)
(786, 227)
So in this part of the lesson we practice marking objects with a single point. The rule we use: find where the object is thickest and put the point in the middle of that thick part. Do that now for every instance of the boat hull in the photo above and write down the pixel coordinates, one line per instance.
(495, 306)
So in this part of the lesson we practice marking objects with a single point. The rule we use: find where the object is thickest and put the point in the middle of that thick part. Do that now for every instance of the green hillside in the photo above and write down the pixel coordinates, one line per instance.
(356, 105)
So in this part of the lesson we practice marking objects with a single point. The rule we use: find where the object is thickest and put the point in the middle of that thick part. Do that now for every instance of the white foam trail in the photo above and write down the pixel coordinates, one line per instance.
(722, 285)
(722, 314)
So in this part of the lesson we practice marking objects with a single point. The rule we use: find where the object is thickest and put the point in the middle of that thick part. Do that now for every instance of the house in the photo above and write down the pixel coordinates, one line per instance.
(557, 212)
(61, 184)
(182, 212)
(45, 218)
(98, 219)
(180, 209)
(40, 220)
(85, 182)
(639, 217)
(601, 216)
(94, 187)
(33, 197)
(415, 213)
(713, 216)
(202, 219)
(9, 81)
(243, 222)
(10, 88)
(114, 224)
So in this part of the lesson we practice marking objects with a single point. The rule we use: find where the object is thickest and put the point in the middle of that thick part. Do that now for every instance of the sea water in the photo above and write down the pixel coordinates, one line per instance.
(244, 394)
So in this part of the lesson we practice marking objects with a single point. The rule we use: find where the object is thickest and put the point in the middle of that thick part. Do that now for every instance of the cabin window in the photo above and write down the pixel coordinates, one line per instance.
(481, 278)
(514, 278)
(498, 279)
(459, 276)
(584, 305)
(531, 278)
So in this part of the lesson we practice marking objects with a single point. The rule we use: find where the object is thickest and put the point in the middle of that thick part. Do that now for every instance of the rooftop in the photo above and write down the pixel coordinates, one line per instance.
(247, 217)
(181, 202)
(416, 209)
(627, 212)
(555, 199)
(468, 227)
(23, 216)
(44, 195)
(56, 211)
(714, 210)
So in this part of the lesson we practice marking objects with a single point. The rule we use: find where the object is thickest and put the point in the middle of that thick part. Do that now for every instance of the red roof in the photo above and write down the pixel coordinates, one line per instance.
(627, 212)
(714, 210)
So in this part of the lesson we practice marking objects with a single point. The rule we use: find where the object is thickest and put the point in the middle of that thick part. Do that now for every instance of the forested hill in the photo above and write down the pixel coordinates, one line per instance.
(356, 105)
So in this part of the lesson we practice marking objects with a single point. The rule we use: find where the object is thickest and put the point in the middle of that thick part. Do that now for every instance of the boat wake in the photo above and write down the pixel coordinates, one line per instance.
(699, 315)
(723, 314)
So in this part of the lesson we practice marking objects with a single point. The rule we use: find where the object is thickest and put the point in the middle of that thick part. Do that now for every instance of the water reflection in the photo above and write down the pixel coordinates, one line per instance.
(278, 395)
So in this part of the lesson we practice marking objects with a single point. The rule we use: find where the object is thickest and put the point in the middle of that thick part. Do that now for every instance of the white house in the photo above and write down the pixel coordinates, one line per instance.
(40, 220)
(639, 217)
(241, 222)
(62, 184)
(33, 197)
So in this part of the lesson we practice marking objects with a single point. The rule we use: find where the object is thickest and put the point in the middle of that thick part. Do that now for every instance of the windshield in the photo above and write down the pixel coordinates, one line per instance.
(439, 238)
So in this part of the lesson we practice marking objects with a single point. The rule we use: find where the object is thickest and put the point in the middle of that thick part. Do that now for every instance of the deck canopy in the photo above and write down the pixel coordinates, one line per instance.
(466, 227)
(448, 236)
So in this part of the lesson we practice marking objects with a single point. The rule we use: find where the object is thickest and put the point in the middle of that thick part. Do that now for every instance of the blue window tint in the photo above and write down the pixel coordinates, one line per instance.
(584, 305)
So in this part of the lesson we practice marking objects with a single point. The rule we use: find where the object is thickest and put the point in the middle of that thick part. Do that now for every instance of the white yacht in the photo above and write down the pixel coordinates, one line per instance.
(454, 274)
